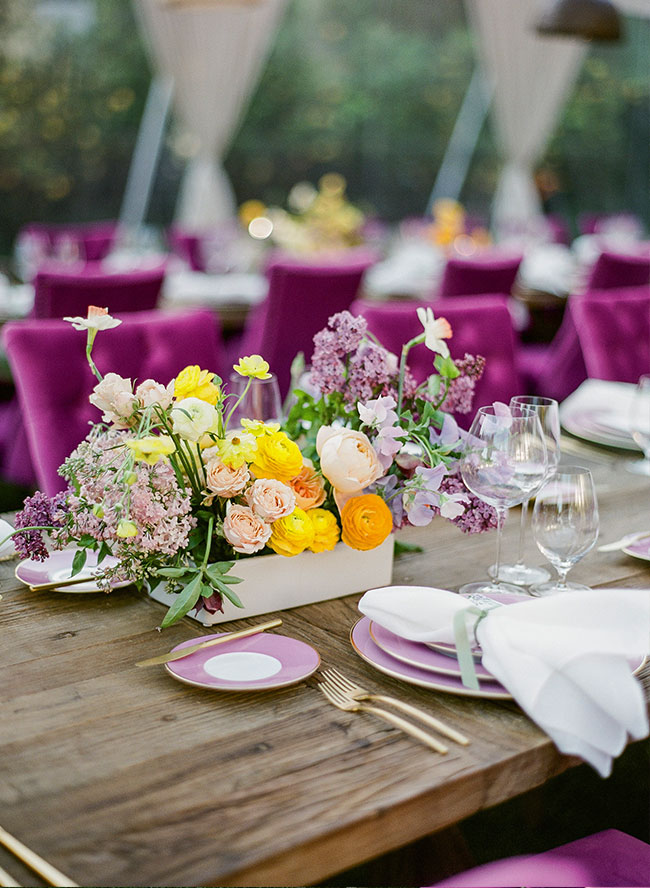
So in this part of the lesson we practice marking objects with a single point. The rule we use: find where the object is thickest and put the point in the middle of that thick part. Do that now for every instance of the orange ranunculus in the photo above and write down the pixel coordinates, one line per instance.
(366, 521)
(308, 487)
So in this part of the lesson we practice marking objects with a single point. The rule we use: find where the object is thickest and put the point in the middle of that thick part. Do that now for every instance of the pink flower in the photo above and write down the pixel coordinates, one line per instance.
(270, 499)
(151, 392)
(221, 480)
(244, 530)
(114, 397)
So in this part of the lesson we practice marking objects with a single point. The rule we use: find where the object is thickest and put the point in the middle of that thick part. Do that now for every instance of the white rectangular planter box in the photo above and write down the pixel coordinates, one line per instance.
(275, 582)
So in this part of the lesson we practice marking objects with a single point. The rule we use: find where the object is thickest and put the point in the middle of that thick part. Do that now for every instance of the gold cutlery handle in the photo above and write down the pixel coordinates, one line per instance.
(193, 648)
(424, 717)
(407, 727)
(74, 581)
(44, 869)
(7, 881)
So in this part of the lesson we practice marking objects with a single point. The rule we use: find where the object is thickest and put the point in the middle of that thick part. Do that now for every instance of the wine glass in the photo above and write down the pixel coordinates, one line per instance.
(262, 401)
(565, 524)
(640, 425)
(548, 412)
(504, 462)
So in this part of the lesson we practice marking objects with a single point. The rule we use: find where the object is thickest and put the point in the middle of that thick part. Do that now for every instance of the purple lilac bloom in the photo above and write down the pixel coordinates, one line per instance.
(39, 510)
(349, 330)
(460, 396)
(478, 515)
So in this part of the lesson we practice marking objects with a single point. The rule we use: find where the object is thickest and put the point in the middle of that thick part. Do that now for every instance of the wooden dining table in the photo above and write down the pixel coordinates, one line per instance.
(120, 775)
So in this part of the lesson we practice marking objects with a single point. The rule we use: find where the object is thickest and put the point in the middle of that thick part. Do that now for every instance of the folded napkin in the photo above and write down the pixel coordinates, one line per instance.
(564, 659)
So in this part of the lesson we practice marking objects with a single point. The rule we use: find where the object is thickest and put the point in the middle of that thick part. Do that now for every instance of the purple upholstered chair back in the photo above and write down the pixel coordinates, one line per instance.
(620, 270)
(187, 246)
(91, 242)
(53, 380)
(494, 272)
(609, 858)
(613, 328)
(301, 297)
(59, 293)
(481, 325)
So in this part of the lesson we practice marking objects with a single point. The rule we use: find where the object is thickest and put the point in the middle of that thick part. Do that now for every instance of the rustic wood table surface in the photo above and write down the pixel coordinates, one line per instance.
(123, 776)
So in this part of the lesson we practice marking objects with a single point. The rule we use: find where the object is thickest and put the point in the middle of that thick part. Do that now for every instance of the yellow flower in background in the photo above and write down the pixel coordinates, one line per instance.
(366, 521)
(326, 530)
(192, 382)
(236, 448)
(249, 210)
(277, 457)
(126, 529)
(152, 448)
(293, 534)
(254, 366)
(257, 427)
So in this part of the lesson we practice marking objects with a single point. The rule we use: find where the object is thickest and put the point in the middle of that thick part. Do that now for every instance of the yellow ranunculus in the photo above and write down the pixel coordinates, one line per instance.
(236, 449)
(277, 457)
(192, 382)
(254, 366)
(257, 427)
(126, 529)
(152, 448)
(366, 521)
(326, 530)
(293, 534)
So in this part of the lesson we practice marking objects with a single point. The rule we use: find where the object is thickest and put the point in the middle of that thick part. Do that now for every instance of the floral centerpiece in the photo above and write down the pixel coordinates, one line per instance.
(165, 485)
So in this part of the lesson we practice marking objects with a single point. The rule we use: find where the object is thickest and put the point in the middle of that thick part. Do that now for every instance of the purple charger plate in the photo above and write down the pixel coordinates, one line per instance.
(58, 567)
(640, 549)
(259, 662)
(366, 648)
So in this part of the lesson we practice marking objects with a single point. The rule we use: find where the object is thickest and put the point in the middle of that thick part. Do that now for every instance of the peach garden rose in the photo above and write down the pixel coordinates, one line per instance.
(347, 459)
(270, 499)
(222, 480)
(244, 530)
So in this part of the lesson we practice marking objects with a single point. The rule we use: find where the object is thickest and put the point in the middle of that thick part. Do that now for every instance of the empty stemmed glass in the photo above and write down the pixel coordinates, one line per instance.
(565, 524)
(549, 417)
(504, 462)
(640, 425)
(261, 401)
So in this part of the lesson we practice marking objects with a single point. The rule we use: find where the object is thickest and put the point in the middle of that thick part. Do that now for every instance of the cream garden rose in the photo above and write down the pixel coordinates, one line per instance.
(192, 418)
(270, 499)
(347, 459)
(244, 530)
(222, 480)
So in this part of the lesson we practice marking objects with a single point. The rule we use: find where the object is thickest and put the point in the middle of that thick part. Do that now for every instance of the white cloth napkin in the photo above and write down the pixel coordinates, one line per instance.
(564, 659)
(7, 549)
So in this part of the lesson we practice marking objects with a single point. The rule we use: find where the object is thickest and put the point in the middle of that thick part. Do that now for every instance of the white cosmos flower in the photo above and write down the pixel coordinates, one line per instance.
(435, 331)
(98, 319)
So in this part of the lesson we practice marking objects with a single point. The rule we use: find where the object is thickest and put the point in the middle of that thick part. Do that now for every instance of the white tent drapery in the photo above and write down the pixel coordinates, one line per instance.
(531, 76)
(215, 52)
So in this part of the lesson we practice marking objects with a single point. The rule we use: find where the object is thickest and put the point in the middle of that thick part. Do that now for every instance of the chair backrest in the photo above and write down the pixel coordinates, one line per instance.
(59, 293)
(493, 272)
(481, 325)
(53, 380)
(188, 246)
(301, 297)
(613, 328)
(91, 241)
(612, 270)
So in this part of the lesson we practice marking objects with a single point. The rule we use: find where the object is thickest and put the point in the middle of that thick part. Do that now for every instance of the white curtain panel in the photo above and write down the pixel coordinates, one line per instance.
(215, 51)
(532, 76)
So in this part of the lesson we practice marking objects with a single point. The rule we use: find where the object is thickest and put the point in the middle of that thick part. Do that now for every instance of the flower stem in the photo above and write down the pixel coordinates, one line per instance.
(89, 348)
(406, 348)
(237, 402)
(208, 543)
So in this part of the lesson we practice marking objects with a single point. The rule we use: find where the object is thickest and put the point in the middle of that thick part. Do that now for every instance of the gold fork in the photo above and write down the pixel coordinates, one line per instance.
(341, 701)
(334, 678)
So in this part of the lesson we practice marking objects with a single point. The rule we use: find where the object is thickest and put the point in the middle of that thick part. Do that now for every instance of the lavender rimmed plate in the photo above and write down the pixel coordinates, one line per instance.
(257, 663)
(58, 567)
(366, 648)
(640, 549)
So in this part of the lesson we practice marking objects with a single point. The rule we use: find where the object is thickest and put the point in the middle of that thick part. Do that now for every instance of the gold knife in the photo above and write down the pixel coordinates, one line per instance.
(75, 581)
(192, 648)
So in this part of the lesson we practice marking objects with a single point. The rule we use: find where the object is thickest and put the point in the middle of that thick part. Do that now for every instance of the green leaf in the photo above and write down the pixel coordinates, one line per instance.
(174, 572)
(446, 367)
(104, 550)
(78, 561)
(184, 602)
(400, 548)
(232, 596)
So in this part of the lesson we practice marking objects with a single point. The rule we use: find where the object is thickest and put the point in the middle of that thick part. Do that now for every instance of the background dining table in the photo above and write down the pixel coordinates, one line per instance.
(123, 776)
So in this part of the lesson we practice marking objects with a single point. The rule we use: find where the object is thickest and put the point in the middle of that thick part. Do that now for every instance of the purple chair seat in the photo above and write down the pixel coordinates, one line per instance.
(492, 272)
(53, 380)
(481, 325)
(610, 858)
(302, 296)
(62, 293)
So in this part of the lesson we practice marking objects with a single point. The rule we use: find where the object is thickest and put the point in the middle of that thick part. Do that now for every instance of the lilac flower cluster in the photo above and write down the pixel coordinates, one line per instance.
(461, 390)
(39, 510)
(478, 515)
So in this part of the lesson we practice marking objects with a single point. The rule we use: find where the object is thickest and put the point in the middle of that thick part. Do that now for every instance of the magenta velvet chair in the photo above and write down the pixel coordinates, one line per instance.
(613, 329)
(53, 380)
(481, 325)
(91, 241)
(302, 296)
(62, 293)
(610, 858)
(188, 246)
(491, 272)
(620, 269)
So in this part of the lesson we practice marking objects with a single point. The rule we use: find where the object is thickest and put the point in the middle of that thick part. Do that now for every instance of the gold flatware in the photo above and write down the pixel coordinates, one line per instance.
(356, 692)
(191, 649)
(7, 881)
(344, 702)
(31, 859)
(75, 581)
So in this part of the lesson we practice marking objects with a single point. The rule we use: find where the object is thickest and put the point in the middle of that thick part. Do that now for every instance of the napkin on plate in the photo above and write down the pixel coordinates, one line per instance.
(7, 549)
(564, 659)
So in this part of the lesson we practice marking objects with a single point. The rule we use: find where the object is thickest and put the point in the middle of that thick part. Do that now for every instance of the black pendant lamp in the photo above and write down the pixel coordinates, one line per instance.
(589, 19)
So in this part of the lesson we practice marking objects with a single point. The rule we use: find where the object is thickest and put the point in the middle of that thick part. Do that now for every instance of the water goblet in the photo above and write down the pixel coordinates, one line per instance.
(565, 524)
(504, 462)
(262, 400)
(640, 425)
(548, 412)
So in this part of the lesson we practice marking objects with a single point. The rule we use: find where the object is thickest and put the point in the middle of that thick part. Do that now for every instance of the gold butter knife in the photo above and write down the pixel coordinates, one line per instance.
(75, 581)
(31, 859)
(192, 648)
